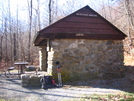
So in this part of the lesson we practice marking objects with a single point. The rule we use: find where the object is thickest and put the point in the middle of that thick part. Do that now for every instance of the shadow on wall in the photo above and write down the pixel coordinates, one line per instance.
(104, 73)
(122, 79)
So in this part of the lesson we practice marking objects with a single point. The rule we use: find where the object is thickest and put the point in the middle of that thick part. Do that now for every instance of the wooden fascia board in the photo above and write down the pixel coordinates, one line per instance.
(78, 36)
(82, 36)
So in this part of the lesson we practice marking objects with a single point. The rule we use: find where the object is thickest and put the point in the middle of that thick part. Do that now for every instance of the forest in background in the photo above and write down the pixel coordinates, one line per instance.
(17, 29)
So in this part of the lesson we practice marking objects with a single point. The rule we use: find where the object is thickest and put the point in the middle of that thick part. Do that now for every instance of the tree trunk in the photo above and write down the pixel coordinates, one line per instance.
(130, 21)
(50, 12)
(30, 28)
(1, 48)
(14, 51)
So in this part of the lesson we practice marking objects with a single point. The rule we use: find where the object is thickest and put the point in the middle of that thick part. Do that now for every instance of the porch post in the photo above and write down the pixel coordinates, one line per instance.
(43, 58)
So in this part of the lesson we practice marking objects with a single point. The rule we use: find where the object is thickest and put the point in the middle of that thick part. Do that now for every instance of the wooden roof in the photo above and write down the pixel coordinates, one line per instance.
(82, 24)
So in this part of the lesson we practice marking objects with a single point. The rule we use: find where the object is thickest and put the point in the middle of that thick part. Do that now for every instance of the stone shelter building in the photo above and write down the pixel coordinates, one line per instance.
(84, 43)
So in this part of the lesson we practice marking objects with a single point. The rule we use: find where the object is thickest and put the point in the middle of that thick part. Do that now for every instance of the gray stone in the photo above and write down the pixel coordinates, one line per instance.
(109, 42)
(81, 55)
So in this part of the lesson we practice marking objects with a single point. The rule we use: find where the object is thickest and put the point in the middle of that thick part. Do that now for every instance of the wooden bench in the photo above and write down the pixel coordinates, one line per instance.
(8, 70)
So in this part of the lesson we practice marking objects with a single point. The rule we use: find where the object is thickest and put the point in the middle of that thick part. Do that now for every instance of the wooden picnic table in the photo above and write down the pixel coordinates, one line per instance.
(21, 67)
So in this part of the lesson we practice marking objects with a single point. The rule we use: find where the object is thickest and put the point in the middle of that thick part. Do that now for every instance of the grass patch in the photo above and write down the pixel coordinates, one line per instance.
(2, 100)
(111, 97)
(8, 100)
(15, 70)
(105, 97)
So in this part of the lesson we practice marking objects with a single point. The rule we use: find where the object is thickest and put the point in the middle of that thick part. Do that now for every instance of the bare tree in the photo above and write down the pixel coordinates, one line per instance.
(15, 38)
(30, 7)
(50, 11)
(5, 32)
(37, 21)
(10, 33)
(38, 14)
(1, 40)
(129, 11)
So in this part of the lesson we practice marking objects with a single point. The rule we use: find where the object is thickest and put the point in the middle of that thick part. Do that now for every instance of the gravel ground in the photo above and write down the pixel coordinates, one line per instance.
(11, 90)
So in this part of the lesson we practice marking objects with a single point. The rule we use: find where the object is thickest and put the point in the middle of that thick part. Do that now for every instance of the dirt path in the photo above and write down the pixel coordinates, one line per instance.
(11, 90)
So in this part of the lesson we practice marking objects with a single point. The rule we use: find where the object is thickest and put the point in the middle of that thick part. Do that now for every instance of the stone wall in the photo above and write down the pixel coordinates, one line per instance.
(30, 80)
(43, 58)
(84, 59)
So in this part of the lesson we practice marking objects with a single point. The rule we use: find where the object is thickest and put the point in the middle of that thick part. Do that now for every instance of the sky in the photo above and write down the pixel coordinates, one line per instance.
(22, 5)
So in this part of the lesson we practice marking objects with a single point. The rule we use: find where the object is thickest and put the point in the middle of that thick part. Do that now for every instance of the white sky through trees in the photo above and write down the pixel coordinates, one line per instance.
(62, 5)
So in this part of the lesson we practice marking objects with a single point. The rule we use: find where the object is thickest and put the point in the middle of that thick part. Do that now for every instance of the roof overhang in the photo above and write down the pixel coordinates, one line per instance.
(79, 25)
(41, 40)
